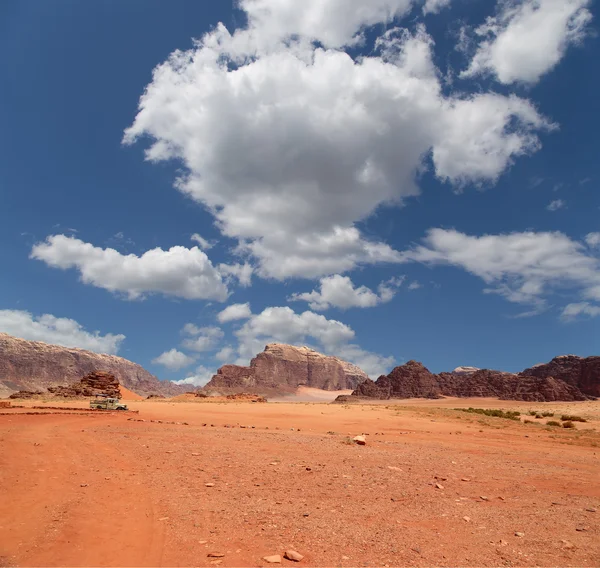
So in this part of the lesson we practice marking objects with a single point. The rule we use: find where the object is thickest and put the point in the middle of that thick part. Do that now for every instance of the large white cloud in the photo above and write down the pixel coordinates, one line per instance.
(333, 23)
(60, 331)
(528, 38)
(523, 267)
(179, 271)
(283, 325)
(340, 292)
(289, 145)
(174, 360)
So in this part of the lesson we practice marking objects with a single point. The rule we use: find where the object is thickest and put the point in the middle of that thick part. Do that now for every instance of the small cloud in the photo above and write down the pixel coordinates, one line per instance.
(556, 205)
(593, 240)
(585, 180)
(572, 311)
(558, 186)
(535, 181)
(414, 285)
(174, 360)
(204, 244)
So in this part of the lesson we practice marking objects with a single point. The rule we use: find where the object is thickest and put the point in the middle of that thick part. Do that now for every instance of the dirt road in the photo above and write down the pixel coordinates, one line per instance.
(431, 487)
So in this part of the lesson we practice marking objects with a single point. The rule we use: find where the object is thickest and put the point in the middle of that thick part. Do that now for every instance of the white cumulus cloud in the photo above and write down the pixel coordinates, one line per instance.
(59, 331)
(593, 240)
(435, 6)
(202, 242)
(201, 338)
(523, 267)
(527, 38)
(174, 360)
(200, 377)
(340, 292)
(289, 144)
(235, 312)
(180, 272)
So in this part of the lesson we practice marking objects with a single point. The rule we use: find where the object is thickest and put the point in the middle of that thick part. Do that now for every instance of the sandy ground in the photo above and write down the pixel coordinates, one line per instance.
(432, 487)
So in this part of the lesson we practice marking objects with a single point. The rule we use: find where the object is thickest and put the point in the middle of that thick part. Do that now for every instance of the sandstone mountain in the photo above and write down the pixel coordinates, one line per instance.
(283, 368)
(580, 372)
(33, 366)
(413, 380)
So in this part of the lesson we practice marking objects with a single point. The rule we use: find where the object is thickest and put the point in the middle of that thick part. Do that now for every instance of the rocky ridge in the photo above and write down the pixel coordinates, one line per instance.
(35, 366)
(414, 380)
(283, 368)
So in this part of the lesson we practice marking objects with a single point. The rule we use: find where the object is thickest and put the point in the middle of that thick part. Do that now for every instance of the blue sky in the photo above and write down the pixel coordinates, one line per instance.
(383, 181)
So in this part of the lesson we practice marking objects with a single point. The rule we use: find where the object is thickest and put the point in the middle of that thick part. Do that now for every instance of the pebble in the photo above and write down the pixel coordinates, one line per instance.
(394, 468)
(203, 542)
(196, 454)
(209, 485)
(581, 529)
(520, 534)
(483, 498)
(439, 486)
(345, 558)
(591, 510)
(83, 485)
(467, 519)
(465, 479)
(274, 559)
(216, 554)
(293, 555)
(568, 545)
(164, 519)
(360, 440)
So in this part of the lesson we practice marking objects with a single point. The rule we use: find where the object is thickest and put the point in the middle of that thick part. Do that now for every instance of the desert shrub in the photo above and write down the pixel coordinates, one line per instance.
(571, 418)
(532, 413)
(568, 424)
(553, 423)
(496, 413)
(528, 421)
(547, 414)
(539, 416)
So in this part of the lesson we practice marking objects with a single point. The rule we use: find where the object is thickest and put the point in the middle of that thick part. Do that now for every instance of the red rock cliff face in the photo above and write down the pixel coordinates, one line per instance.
(33, 365)
(413, 380)
(580, 372)
(284, 368)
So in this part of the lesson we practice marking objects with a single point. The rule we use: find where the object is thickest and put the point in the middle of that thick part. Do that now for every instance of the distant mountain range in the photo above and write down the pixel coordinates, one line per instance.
(281, 369)
(34, 365)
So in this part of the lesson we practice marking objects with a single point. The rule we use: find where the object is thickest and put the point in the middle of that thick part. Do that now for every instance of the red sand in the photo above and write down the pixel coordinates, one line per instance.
(101, 490)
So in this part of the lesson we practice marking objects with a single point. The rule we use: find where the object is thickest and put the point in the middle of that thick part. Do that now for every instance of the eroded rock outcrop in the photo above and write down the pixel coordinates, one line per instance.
(283, 368)
(34, 366)
(413, 380)
(580, 372)
(96, 383)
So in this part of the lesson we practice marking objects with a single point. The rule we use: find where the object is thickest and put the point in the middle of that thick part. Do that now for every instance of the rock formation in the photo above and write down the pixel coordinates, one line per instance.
(98, 382)
(580, 372)
(413, 380)
(283, 368)
(33, 366)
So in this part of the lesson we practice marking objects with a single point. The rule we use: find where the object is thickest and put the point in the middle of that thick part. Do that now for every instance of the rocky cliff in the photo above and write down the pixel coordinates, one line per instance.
(580, 372)
(33, 366)
(283, 368)
(413, 380)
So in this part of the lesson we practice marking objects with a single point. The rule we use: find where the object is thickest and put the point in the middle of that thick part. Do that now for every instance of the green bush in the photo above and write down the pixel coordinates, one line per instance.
(496, 413)
(553, 423)
(568, 424)
(571, 418)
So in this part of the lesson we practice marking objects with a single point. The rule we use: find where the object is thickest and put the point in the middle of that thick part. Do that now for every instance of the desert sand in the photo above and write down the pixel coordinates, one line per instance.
(179, 482)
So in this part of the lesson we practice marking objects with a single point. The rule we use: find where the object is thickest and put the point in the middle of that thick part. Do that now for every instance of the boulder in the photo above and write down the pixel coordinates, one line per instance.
(93, 384)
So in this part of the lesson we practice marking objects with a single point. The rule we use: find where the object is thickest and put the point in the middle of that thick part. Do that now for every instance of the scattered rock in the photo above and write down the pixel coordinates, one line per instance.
(483, 498)
(360, 440)
(83, 485)
(465, 479)
(591, 510)
(274, 559)
(439, 486)
(209, 485)
(581, 529)
(164, 519)
(467, 519)
(393, 468)
(216, 554)
(293, 555)
(567, 545)
(520, 534)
